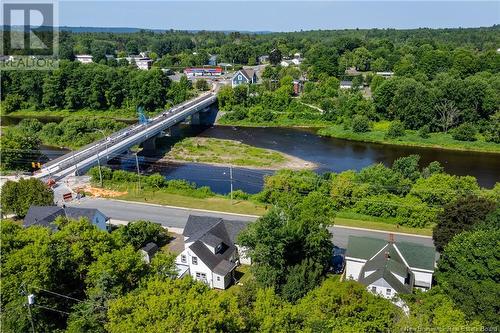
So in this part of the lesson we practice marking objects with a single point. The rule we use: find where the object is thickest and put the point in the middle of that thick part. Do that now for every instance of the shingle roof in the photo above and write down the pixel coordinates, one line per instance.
(150, 248)
(45, 215)
(207, 257)
(390, 279)
(416, 255)
(224, 267)
(197, 226)
(42, 215)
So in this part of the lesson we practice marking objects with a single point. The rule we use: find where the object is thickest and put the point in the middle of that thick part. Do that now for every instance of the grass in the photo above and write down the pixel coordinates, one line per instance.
(279, 122)
(216, 203)
(382, 226)
(411, 138)
(209, 150)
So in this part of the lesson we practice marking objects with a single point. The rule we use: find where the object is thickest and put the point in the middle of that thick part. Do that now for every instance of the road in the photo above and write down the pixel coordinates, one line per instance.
(176, 217)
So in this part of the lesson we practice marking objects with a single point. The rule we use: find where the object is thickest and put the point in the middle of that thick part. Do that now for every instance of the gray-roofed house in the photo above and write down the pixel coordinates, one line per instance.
(46, 215)
(244, 76)
(387, 268)
(148, 251)
(210, 253)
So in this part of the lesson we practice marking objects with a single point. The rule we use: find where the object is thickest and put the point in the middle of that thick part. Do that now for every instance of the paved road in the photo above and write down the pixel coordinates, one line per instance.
(176, 217)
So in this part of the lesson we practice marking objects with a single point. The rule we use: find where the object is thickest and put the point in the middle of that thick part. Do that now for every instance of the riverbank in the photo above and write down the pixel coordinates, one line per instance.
(410, 139)
(221, 152)
(46, 115)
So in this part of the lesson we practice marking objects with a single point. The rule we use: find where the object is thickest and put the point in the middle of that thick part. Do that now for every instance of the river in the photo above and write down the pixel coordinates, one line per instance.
(329, 154)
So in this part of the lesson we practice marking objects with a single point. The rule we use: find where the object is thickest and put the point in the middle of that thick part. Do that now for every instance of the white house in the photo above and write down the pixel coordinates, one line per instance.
(46, 215)
(144, 63)
(83, 58)
(210, 254)
(388, 268)
(385, 74)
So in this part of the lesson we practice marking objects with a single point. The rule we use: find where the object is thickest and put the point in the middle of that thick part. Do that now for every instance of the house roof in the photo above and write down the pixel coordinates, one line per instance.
(45, 215)
(227, 230)
(209, 258)
(346, 83)
(387, 275)
(415, 255)
(150, 248)
(42, 215)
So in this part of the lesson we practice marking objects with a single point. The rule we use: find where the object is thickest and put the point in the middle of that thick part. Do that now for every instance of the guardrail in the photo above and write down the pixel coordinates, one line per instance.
(176, 114)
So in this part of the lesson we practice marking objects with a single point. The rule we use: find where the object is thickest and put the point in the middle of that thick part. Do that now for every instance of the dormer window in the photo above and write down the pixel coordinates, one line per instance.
(218, 248)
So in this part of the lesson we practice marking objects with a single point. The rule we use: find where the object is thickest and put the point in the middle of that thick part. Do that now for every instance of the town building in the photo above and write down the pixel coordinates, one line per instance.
(83, 58)
(203, 71)
(210, 254)
(385, 74)
(244, 76)
(388, 268)
(46, 215)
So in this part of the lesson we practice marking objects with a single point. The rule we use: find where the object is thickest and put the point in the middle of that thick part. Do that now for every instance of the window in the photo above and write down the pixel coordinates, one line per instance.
(374, 290)
(183, 258)
(194, 260)
(201, 276)
(388, 292)
(239, 77)
(218, 278)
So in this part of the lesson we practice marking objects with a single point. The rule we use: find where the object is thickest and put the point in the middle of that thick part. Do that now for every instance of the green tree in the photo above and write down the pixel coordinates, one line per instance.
(465, 132)
(17, 197)
(396, 130)
(139, 233)
(19, 149)
(360, 124)
(468, 273)
(275, 56)
(462, 214)
(202, 85)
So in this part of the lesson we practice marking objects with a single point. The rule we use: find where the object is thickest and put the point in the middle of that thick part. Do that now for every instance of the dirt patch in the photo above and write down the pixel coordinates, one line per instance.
(102, 192)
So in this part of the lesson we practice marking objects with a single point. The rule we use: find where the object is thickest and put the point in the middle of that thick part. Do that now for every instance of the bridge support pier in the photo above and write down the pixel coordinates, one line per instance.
(149, 145)
(175, 130)
(204, 117)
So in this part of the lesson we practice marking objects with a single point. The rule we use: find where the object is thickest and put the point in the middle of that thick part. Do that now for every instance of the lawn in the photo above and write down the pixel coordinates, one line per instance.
(411, 138)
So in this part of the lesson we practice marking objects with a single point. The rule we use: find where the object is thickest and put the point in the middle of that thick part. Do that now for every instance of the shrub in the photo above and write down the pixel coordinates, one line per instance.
(424, 131)
(124, 176)
(360, 124)
(240, 195)
(107, 173)
(156, 181)
(465, 132)
(12, 103)
(396, 130)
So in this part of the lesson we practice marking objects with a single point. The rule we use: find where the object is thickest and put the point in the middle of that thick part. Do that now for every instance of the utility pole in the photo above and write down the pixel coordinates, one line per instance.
(99, 164)
(138, 172)
(231, 179)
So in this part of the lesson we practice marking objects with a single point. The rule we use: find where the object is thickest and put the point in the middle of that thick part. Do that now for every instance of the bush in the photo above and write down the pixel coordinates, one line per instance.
(396, 130)
(465, 132)
(424, 131)
(107, 173)
(360, 124)
(240, 195)
(124, 176)
(156, 181)
(12, 103)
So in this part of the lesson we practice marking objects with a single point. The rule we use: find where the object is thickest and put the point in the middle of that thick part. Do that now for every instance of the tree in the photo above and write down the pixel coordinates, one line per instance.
(447, 114)
(407, 166)
(468, 274)
(12, 103)
(139, 233)
(465, 132)
(275, 56)
(360, 124)
(19, 149)
(17, 197)
(396, 130)
(458, 216)
(202, 85)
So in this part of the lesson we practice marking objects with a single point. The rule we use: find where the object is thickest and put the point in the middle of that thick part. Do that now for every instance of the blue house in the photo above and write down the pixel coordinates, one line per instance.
(46, 215)
(244, 76)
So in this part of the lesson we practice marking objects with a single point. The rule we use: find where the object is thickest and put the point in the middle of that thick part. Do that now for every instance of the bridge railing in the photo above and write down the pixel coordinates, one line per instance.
(102, 145)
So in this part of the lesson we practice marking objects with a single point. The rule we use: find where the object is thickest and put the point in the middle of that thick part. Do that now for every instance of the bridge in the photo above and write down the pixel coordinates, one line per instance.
(77, 162)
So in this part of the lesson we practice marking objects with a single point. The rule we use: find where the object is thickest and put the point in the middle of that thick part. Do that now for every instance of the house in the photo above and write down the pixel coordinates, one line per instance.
(83, 58)
(46, 215)
(143, 63)
(345, 84)
(264, 59)
(210, 254)
(203, 71)
(148, 252)
(244, 76)
(352, 71)
(385, 74)
(388, 268)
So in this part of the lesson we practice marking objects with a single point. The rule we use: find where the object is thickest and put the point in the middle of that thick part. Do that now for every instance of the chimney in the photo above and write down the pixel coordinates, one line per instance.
(386, 255)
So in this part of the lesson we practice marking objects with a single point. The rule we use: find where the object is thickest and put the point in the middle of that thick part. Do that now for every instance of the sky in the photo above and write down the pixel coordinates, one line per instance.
(278, 15)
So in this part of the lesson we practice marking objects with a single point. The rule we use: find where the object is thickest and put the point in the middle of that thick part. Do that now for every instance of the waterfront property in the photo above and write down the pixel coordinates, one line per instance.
(388, 268)
(210, 254)
(83, 58)
(244, 76)
(46, 215)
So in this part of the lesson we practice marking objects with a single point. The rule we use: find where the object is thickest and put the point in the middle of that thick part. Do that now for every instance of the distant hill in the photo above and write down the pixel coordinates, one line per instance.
(122, 29)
